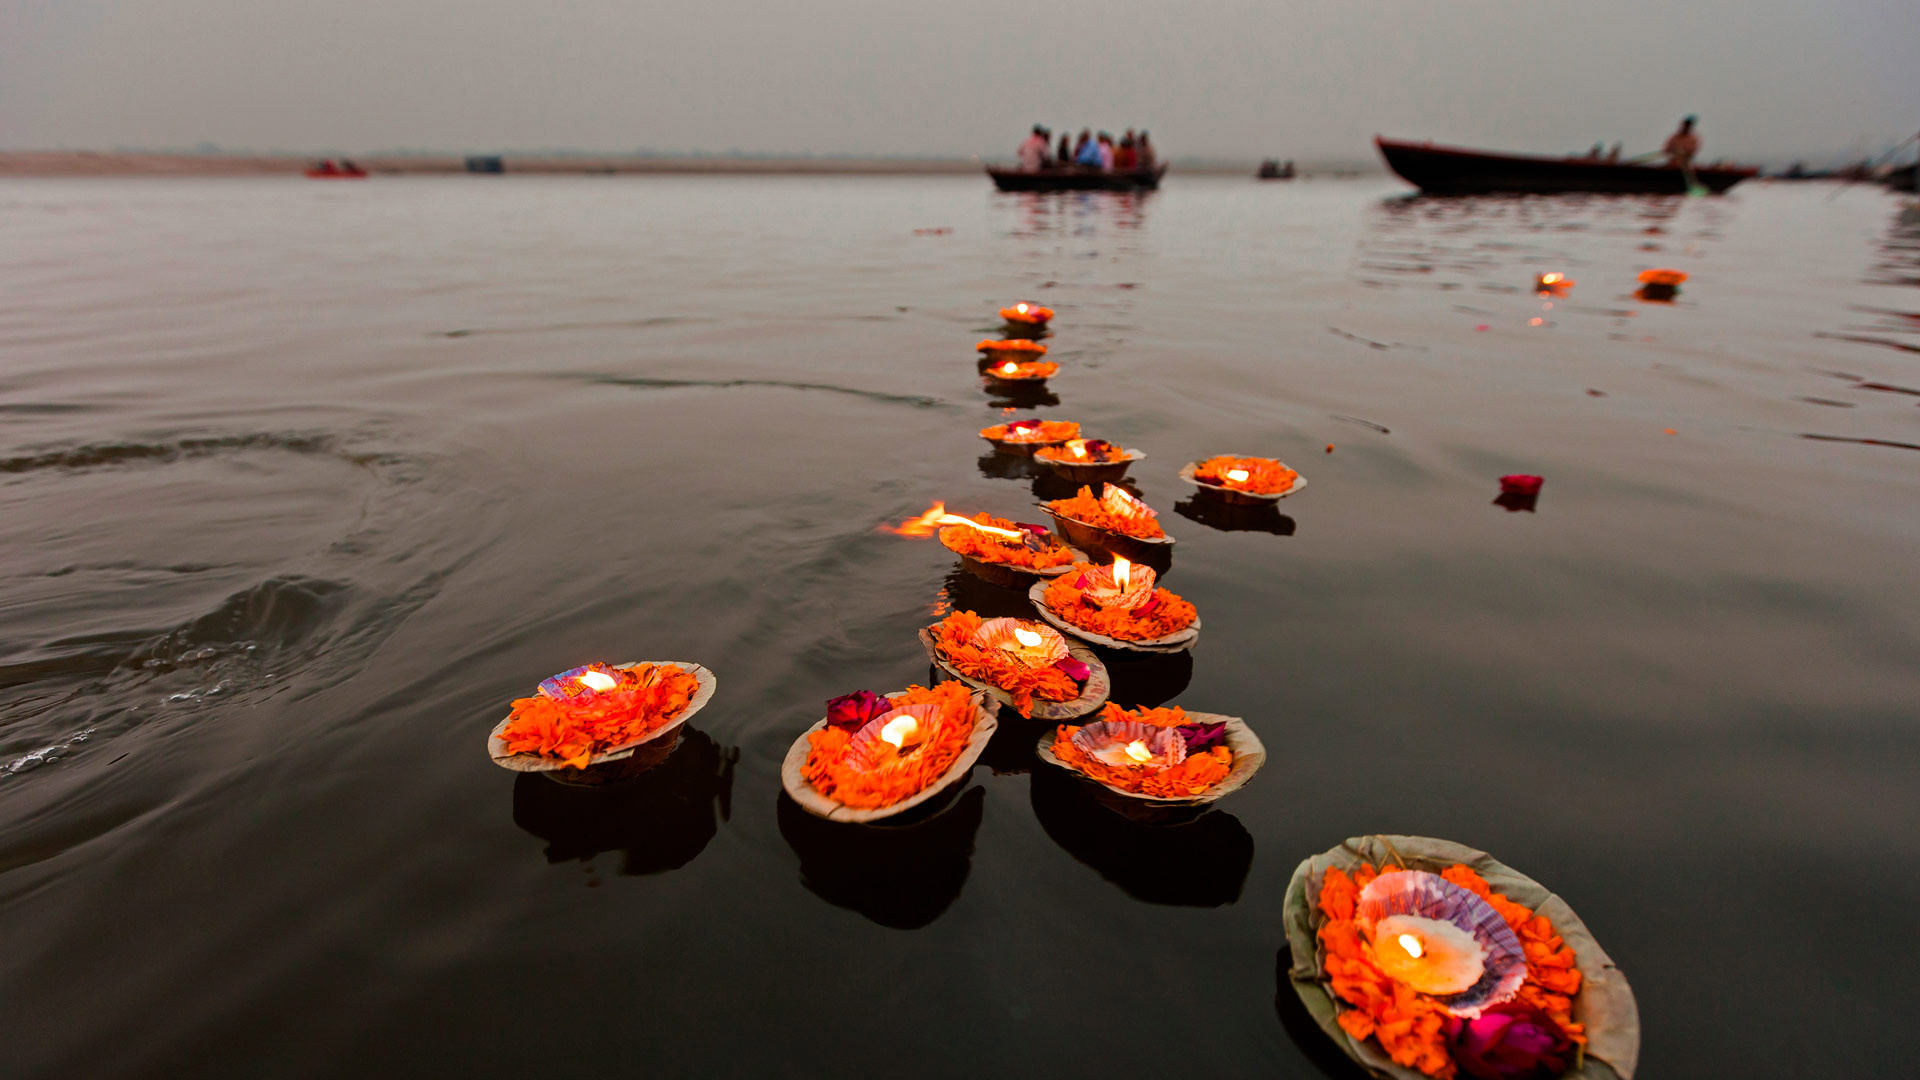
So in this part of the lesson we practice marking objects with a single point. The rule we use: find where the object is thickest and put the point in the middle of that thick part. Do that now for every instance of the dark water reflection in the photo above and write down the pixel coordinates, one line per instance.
(902, 876)
(278, 549)
(1201, 863)
(1217, 513)
(660, 817)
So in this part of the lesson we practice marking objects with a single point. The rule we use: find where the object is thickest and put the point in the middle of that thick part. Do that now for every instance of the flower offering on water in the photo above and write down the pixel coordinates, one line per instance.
(898, 750)
(1116, 510)
(1553, 284)
(1034, 431)
(1027, 314)
(1520, 484)
(1012, 345)
(1014, 371)
(998, 540)
(1027, 659)
(1129, 608)
(1667, 277)
(1256, 475)
(1148, 751)
(1084, 452)
(1403, 976)
(589, 710)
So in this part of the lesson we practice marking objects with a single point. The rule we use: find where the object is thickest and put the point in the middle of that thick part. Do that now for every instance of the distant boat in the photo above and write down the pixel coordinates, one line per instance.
(1904, 178)
(1273, 170)
(337, 170)
(1441, 170)
(1074, 178)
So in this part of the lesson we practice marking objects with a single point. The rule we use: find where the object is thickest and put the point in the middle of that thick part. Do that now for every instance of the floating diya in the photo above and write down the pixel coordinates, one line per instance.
(1660, 285)
(1118, 606)
(1245, 480)
(1422, 957)
(1026, 436)
(1021, 663)
(1553, 283)
(1116, 522)
(1163, 757)
(1089, 461)
(874, 756)
(1026, 315)
(994, 549)
(599, 713)
(997, 349)
(1014, 372)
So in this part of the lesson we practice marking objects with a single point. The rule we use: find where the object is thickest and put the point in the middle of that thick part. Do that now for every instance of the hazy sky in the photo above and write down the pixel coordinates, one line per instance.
(1310, 79)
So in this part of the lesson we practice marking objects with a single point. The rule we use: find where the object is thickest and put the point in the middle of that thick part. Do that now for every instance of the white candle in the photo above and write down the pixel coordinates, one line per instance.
(1430, 955)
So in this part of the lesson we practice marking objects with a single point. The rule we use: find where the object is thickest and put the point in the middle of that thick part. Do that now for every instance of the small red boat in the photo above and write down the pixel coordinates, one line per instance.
(1445, 170)
(337, 170)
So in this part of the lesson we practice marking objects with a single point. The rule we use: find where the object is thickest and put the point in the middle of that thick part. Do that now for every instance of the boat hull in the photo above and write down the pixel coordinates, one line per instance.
(1077, 180)
(1439, 170)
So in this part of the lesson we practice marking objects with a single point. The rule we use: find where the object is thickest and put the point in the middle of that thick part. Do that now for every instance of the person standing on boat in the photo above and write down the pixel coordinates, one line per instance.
(1106, 152)
(1124, 157)
(1683, 145)
(1142, 152)
(1033, 152)
(1086, 151)
(1066, 150)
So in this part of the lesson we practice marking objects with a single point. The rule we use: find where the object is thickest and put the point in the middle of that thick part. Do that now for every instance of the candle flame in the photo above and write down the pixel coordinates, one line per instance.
(1030, 638)
(1412, 945)
(1138, 751)
(898, 730)
(598, 681)
(1078, 446)
(1021, 308)
(925, 525)
(1238, 475)
(1545, 279)
(1009, 367)
(1121, 570)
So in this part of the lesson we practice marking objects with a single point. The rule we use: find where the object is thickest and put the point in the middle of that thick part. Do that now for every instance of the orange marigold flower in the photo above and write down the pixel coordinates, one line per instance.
(1033, 431)
(953, 636)
(1030, 314)
(1662, 277)
(1083, 452)
(1183, 781)
(1012, 345)
(1014, 371)
(1084, 507)
(826, 768)
(572, 730)
(1164, 615)
(1005, 550)
(1263, 476)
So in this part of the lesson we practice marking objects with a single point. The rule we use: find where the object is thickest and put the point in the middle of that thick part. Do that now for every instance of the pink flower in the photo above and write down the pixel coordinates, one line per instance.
(1520, 484)
(1074, 669)
(1511, 1041)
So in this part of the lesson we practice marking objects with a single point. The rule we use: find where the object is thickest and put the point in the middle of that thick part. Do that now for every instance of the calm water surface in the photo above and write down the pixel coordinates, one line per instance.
(301, 483)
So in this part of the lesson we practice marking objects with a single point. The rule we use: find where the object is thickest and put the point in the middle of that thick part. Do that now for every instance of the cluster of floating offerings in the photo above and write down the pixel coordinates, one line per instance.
(1659, 285)
(1419, 957)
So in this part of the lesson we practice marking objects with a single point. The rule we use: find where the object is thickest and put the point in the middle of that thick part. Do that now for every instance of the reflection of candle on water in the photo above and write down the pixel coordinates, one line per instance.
(598, 681)
(1238, 476)
(898, 730)
(1137, 750)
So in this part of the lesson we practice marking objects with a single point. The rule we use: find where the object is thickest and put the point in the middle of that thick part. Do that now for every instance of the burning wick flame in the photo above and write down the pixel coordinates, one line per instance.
(1079, 447)
(1009, 367)
(898, 730)
(1545, 279)
(1411, 943)
(598, 681)
(1021, 308)
(1238, 475)
(1121, 569)
(1029, 638)
(936, 516)
(1138, 751)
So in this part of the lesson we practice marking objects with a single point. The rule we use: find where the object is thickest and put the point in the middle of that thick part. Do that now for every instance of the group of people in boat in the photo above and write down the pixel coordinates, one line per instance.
(1681, 148)
(1099, 153)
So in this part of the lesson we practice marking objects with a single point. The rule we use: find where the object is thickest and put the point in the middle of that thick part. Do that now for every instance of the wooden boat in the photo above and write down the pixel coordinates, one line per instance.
(336, 170)
(1074, 178)
(1273, 170)
(1905, 178)
(1442, 170)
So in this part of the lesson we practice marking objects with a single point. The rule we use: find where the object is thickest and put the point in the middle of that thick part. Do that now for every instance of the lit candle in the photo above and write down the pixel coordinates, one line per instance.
(1238, 476)
(1079, 447)
(1009, 367)
(1121, 569)
(1030, 638)
(1021, 308)
(1432, 956)
(1137, 750)
(598, 681)
(898, 730)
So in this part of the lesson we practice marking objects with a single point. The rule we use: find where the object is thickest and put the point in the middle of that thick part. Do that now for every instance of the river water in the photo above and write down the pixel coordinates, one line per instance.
(300, 483)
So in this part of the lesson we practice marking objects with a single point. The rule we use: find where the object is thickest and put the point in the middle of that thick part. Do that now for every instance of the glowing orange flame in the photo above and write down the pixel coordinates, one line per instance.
(1121, 568)
(898, 730)
(598, 681)
(1021, 308)
(1029, 638)
(1009, 367)
(1238, 476)
(937, 518)
(1137, 750)
(1412, 945)
(1078, 446)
